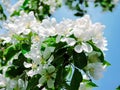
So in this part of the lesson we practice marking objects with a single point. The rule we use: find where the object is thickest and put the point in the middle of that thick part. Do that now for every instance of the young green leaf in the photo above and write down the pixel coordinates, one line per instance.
(11, 51)
(80, 60)
(33, 82)
(76, 79)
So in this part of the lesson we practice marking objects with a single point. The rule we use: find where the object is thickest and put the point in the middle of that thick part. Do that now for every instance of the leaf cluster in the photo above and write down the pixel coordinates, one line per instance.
(81, 5)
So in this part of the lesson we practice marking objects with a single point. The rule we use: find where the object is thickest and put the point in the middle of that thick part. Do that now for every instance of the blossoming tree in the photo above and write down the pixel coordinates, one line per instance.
(38, 53)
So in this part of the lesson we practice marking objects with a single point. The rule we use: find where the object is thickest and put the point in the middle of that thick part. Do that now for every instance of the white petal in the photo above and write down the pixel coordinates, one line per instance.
(51, 49)
(87, 47)
(43, 72)
(6, 40)
(27, 65)
(76, 33)
(51, 69)
(26, 31)
(63, 39)
(42, 80)
(53, 75)
(46, 53)
(53, 21)
(27, 55)
(58, 39)
(31, 73)
(71, 41)
(2, 81)
(21, 83)
(95, 70)
(50, 59)
(78, 48)
(50, 83)
(12, 83)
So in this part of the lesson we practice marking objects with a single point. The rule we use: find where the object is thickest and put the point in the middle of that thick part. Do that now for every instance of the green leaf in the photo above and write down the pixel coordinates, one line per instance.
(17, 68)
(86, 3)
(13, 71)
(81, 1)
(33, 82)
(91, 84)
(60, 80)
(25, 2)
(79, 14)
(19, 62)
(59, 57)
(15, 13)
(1, 54)
(25, 48)
(111, 6)
(69, 75)
(106, 63)
(80, 60)
(2, 14)
(101, 57)
(78, 8)
(60, 54)
(118, 88)
(34, 4)
(18, 37)
(51, 41)
(11, 51)
(76, 79)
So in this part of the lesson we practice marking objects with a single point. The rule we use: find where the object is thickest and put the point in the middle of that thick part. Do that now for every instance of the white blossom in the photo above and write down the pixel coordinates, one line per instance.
(35, 68)
(70, 41)
(95, 70)
(83, 86)
(78, 34)
(82, 29)
(48, 75)
(11, 7)
(2, 81)
(94, 57)
(83, 47)
(53, 4)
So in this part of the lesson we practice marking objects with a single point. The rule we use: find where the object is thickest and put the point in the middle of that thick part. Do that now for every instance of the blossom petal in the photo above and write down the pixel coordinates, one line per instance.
(78, 48)
(27, 65)
(50, 83)
(20, 82)
(53, 75)
(51, 69)
(31, 73)
(58, 39)
(46, 53)
(71, 41)
(43, 72)
(2, 81)
(87, 47)
(42, 80)
(95, 70)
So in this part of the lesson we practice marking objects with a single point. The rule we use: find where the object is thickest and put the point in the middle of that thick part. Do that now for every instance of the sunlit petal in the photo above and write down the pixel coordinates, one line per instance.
(78, 48)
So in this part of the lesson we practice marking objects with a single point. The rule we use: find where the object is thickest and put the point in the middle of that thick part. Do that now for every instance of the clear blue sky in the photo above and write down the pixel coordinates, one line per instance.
(111, 77)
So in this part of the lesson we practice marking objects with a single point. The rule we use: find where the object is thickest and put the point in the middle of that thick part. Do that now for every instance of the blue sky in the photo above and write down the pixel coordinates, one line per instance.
(111, 20)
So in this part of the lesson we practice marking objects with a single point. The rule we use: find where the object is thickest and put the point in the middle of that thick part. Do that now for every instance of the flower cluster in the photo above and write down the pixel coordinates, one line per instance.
(10, 7)
(50, 55)
(41, 8)
(52, 3)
